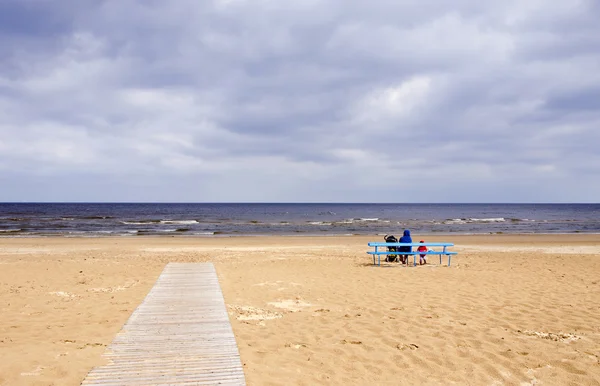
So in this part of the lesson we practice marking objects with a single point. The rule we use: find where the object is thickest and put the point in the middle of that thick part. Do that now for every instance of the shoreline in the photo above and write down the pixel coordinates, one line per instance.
(219, 236)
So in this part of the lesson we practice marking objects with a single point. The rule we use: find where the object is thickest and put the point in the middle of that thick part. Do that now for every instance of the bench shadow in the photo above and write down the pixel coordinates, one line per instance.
(383, 265)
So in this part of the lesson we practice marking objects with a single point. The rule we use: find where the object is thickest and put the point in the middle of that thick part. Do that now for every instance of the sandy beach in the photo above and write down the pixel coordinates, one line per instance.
(511, 310)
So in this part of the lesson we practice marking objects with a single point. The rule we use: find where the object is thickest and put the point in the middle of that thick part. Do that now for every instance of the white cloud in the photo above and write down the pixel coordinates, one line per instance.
(393, 103)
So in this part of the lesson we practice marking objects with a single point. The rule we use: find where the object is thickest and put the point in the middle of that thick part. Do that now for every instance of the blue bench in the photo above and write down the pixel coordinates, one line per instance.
(384, 251)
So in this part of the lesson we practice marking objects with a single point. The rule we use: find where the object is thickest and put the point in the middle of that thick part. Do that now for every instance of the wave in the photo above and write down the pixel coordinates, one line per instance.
(353, 220)
(10, 230)
(497, 219)
(154, 231)
(474, 220)
(361, 219)
(97, 233)
(349, 221)
(164, 222)
(145, 232)
(182, 222)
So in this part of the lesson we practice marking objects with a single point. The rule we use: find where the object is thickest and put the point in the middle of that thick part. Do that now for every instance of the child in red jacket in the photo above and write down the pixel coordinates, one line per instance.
(422, 257)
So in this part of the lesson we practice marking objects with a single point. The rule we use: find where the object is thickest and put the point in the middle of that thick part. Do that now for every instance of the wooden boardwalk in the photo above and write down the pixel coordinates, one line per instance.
(179, 335)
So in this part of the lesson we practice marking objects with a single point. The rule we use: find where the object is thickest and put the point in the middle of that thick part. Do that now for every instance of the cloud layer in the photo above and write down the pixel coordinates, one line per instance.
(314, 100)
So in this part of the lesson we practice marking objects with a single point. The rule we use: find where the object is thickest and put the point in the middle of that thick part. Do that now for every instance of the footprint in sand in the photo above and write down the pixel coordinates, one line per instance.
(295, 345)
(411, 346)
(344, 341)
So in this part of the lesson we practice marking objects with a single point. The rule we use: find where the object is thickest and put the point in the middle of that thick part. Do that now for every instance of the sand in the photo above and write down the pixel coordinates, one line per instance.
(511, 310)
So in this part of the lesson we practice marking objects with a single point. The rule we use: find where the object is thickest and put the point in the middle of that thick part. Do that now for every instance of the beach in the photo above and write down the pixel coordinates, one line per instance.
(510, 310)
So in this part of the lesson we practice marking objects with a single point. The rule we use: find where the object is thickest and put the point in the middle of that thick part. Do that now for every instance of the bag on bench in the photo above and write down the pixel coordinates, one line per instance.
(391, 239)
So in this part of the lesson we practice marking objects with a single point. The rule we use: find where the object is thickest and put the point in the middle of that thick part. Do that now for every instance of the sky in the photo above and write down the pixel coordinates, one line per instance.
(300, 101)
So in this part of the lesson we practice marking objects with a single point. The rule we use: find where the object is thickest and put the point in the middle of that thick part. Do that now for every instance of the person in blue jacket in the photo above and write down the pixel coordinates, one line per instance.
(405, 239)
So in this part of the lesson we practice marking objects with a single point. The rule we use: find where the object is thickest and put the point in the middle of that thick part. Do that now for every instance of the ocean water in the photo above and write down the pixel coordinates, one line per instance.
(218, 219)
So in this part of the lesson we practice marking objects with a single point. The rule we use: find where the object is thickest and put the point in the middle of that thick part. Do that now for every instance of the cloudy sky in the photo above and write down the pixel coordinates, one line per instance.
(300, 101)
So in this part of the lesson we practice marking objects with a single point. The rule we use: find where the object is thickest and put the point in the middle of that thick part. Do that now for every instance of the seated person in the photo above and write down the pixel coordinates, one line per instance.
(405, 239)
(422, 257)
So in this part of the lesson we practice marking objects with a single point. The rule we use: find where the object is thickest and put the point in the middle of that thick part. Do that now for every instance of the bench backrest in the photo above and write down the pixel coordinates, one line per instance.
(378, 244)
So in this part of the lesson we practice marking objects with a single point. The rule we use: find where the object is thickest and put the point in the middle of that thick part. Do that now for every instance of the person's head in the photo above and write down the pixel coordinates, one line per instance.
(406, 232)
(422, 241)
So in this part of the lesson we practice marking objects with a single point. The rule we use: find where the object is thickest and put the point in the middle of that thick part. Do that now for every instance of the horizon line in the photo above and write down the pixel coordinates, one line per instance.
(296, 203)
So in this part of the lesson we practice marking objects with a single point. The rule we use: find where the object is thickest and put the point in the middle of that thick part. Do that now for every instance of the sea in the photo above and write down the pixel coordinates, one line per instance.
(290, 219)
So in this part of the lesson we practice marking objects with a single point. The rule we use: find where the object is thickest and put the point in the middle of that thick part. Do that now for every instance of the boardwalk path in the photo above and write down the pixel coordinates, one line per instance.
(179, 335)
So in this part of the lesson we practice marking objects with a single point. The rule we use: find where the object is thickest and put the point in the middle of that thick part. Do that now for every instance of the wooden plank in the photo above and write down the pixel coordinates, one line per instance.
(179, 335)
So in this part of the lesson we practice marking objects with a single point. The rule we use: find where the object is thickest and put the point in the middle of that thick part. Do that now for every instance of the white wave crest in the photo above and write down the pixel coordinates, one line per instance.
(474, 220)
(496, 219)
(455, 221)
(179, 222)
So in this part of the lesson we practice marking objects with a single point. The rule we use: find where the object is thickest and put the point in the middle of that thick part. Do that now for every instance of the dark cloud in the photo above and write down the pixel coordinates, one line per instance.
(34, 19)
(575, 101)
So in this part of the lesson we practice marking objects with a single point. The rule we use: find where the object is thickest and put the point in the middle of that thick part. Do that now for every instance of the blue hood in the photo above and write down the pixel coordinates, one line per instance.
(406, 239)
